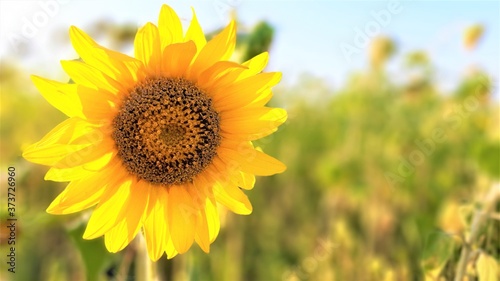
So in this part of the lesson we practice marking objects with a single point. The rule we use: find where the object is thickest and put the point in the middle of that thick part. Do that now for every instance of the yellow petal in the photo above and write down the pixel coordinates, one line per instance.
(109, 62)
(57, 144)
(201, 236)
(245, 180)
(195, 33)
(253, 123)
(245, 91)
(224, 80)
(213, 220)
(202, 189)
(87, 154)
(218, 171)
(78, 172)
(125, 231)
(262, 99)
(233, 198)
(155, 225)
(177, 57)
(209, 78)
(70, 174)
(92, 77)
(60, 95)
(250, 160)
(181, 218)
(170, 249)
(81, 194)
(117, 237)
(219, 48)
(256, 64)
(67, 132)
(75, 100)
(147, 47)
(96, 104)
(169, 26)
(110, 210)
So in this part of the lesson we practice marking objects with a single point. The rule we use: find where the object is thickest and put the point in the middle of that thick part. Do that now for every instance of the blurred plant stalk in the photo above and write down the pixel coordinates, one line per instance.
(480, 217)
(143, 264)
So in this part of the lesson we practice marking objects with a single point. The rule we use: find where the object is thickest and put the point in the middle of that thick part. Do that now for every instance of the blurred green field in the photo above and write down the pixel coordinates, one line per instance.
(385, 181)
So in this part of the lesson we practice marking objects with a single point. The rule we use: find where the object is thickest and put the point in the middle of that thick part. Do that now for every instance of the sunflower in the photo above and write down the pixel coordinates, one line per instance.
(158, 141)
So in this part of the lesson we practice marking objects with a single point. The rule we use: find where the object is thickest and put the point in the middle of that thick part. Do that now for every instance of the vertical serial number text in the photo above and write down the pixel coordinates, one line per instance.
(11, 220)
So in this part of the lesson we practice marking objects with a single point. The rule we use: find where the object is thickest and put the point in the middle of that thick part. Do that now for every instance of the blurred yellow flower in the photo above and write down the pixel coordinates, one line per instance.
(472, 36)
(156, 141)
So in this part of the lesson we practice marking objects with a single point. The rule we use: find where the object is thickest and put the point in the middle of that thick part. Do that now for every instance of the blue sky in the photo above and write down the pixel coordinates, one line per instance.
(309, 34)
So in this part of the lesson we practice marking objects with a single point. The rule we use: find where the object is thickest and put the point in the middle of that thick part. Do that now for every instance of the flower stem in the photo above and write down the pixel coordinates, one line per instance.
(124, 268)
(478, 221)
(143, 264)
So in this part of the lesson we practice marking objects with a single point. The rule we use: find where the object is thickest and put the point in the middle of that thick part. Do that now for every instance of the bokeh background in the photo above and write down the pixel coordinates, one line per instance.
(392, 141)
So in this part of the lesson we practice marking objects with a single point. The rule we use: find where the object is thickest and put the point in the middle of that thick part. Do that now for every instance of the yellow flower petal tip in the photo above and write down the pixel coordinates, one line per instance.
(154, 143)
(52, 210)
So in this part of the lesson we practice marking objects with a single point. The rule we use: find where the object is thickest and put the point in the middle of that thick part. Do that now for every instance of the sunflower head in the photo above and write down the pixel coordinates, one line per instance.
(157, 141)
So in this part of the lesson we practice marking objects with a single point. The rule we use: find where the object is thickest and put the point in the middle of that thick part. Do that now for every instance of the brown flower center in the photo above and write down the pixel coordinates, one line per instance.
(166, 131)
